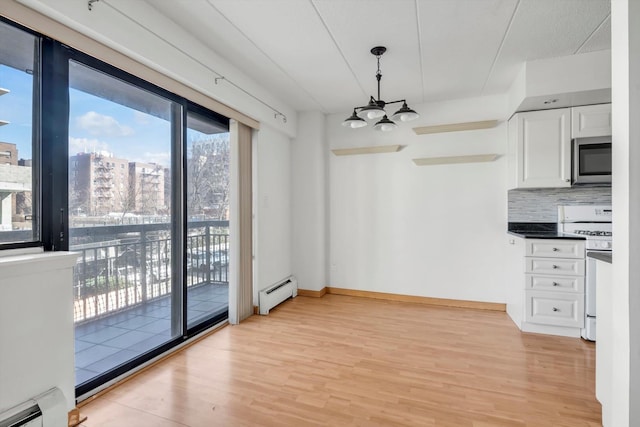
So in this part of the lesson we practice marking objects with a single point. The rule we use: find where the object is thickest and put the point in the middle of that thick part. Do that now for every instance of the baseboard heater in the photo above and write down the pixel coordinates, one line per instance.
(28, 414)
(45, 410)
(275, 294)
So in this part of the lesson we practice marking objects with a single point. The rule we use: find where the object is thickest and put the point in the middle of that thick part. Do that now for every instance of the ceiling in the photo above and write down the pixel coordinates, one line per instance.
(315, 54)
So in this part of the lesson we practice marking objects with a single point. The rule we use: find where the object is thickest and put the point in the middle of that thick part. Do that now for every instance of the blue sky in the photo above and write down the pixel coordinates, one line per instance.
(15, 107)
(95, 124)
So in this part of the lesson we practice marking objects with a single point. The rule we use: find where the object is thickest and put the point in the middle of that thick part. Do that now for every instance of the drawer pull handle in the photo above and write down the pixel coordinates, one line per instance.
(556, 309)
(556, 284)
(555, 249)
(555, 266)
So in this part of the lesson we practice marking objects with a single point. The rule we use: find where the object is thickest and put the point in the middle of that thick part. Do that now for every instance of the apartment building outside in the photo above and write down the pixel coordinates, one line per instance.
(147, 188)
(98, 184)
(15, 196)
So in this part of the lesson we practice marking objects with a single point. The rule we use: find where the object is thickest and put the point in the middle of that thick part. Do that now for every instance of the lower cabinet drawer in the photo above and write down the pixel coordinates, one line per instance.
(555, 308)
(555, 283)
(569, 267)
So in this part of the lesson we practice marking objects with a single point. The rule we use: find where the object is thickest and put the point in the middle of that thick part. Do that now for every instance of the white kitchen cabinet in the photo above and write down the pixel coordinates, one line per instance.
(539, 152)
(555, 308)
(546, 281)
(591, 120)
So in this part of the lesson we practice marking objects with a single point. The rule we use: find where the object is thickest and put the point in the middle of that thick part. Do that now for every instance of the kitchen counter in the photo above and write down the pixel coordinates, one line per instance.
(601, 256)
(538, 230)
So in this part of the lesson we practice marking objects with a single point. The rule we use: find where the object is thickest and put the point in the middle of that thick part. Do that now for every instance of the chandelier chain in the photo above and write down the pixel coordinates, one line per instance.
(379, 76)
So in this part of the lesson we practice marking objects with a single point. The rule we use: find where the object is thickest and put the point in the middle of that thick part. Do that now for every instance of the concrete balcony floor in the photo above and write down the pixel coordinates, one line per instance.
(107, 342)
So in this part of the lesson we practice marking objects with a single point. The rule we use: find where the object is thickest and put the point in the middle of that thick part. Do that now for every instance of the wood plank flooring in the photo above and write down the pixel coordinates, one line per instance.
(348, 361)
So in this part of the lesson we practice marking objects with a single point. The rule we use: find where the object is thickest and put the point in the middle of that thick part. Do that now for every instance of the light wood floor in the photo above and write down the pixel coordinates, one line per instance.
(343, 361)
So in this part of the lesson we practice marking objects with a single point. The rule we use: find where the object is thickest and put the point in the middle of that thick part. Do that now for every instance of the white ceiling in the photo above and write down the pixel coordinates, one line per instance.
(315, 54)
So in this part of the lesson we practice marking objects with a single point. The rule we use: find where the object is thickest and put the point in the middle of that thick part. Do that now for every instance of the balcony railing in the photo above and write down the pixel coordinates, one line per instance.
(122, 266)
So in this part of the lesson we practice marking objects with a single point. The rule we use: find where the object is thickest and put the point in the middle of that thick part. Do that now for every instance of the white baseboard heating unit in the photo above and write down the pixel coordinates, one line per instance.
(275, 294)
(46, 410)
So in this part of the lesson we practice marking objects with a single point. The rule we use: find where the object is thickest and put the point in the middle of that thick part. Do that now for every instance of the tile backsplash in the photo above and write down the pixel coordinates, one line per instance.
(541, 204)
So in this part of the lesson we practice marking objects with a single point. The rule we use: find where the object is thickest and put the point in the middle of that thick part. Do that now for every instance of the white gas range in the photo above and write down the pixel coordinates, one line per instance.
(593, 222)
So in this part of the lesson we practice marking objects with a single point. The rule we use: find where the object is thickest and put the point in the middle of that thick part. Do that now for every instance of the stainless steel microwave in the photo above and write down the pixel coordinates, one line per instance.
(591, 160)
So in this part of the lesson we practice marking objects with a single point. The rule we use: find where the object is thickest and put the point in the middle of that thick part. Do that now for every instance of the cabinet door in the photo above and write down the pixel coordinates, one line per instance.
(543, 148)
(555, 308)
(591, 120)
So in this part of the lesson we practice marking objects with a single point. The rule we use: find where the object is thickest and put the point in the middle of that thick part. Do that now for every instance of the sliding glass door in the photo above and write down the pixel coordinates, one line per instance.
(148, 204)
(120, 216)
(207, 257)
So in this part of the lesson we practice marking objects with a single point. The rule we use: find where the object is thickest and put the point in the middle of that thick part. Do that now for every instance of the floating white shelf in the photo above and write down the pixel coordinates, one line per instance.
(4, 122)
(455, 127)
(476, 158)
(366, 150)
(3, 91)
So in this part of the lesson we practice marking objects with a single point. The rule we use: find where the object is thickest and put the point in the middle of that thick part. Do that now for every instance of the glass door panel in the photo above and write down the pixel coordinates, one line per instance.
(207, 247)
(120, 221)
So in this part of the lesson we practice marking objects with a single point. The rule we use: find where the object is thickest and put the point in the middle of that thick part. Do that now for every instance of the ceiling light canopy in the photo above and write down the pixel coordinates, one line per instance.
(374, 110)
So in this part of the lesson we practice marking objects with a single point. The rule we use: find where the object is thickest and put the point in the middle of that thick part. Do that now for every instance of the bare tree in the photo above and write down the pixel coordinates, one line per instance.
(208, 177)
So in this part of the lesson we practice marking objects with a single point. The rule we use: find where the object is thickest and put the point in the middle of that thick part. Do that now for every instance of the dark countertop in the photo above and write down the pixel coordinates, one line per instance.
(601, 256)
(538, 230)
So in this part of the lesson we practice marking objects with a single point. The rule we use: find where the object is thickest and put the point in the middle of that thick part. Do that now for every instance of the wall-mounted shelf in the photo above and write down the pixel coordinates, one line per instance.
(3, 122)
(455, 127)
(366, 150)
(476, 158)
(3, 91)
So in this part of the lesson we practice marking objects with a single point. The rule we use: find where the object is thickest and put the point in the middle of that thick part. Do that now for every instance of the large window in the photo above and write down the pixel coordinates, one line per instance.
(19, 89)
(135, 179)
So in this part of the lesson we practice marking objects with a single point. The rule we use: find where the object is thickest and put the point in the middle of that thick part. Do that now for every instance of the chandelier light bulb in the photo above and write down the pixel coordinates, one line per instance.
(405, 114)
(375, 114)
(354, 121)
(385, 125)
(355, 124)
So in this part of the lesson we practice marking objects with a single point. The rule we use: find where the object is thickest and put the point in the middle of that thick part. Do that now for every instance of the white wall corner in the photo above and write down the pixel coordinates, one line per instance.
(625, 42)
(310, 201)
(272, 208)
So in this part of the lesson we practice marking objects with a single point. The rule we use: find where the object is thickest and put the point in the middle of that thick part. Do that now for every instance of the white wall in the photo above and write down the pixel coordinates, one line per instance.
(625, 41)
(434, 231)
(272, 208)
(309, 201)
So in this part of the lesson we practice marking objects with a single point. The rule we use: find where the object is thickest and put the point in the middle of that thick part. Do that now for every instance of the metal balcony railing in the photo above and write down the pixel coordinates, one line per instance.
(122, 266)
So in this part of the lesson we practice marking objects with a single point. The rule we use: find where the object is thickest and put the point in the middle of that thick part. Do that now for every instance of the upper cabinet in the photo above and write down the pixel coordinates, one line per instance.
(540, 149)
(591, 120)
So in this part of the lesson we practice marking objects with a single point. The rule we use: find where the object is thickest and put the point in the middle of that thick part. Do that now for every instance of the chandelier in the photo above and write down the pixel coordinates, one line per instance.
(374, 110)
